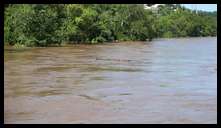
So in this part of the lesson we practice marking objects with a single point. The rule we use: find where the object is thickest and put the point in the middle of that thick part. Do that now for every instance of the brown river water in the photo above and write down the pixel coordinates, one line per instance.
(163, 81)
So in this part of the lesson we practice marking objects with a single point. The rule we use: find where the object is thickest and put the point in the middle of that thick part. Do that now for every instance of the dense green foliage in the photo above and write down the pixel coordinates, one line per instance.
(43, 25)
(176, 21)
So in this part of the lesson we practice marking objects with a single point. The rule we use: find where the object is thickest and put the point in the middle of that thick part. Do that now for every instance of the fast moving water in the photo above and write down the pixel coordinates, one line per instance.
(164, 81)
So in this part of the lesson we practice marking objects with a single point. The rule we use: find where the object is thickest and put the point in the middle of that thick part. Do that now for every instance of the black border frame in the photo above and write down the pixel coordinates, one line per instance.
(113, 2)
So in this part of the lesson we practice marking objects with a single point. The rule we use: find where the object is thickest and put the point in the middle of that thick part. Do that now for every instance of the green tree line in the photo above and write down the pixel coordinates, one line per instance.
(44, 25)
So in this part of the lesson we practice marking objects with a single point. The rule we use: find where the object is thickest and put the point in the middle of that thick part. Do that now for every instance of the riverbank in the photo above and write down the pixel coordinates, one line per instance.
(70, 44)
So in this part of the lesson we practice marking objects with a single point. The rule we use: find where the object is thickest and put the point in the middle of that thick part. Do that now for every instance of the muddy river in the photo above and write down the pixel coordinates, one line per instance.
(163, 81)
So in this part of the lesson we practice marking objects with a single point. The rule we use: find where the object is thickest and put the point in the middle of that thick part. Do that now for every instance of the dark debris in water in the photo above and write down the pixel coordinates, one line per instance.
(50, 93)
(123, 60)
(125, 94)
(115, 69)
(166, 85)
(88, 97)
(98, 78)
